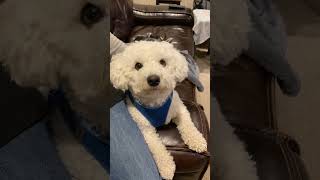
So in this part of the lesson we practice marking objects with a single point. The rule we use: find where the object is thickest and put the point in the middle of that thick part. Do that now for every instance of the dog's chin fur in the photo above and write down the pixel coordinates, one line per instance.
(231, 27)
(153, 98)
(45, 45)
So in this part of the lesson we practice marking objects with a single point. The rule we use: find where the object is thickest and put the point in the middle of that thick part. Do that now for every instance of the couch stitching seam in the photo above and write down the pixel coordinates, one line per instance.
(294, 160)
(286, 160)
(291, 160)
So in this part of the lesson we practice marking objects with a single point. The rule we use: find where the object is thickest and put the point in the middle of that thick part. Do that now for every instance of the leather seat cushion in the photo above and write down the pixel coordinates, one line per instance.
(170, 135)
(190, 166)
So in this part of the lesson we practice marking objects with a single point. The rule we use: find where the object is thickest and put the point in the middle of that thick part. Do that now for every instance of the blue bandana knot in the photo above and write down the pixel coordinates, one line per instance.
(156, 116)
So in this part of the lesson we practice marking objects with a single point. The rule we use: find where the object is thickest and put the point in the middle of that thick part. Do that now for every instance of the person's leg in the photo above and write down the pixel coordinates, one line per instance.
(31, 156)
(130, 158)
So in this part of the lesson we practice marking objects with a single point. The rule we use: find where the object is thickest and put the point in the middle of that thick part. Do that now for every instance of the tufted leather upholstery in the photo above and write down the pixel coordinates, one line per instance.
(162, 15)
(176, 27)
(178, 35)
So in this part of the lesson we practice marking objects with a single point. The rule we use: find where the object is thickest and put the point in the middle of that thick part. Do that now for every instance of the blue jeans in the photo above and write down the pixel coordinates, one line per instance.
(32, 156)
(130, 158)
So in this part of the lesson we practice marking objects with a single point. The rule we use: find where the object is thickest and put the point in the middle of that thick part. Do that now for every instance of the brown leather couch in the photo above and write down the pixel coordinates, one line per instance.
(246, 94)
(128, 22)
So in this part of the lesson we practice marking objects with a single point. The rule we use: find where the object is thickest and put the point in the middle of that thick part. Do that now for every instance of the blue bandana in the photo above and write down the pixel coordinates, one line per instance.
(90, 139)
(156, 116)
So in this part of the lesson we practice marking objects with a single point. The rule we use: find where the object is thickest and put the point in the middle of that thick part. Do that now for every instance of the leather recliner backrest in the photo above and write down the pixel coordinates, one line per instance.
(121, 18)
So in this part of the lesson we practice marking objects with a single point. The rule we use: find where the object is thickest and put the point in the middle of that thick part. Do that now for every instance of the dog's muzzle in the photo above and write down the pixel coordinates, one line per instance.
(153, 80)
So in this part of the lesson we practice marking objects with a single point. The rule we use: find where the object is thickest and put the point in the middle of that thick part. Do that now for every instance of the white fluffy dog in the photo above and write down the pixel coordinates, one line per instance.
(150, 71)
(49, 44)
(230, 158)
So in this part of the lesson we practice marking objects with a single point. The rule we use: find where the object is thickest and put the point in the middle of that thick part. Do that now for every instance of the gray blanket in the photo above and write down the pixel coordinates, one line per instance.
(268, 44)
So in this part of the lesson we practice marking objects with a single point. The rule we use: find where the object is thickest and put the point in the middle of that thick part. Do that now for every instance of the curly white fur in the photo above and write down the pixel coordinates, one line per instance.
(45, 45)
(232, 161)
(231, 24)
(124, 76)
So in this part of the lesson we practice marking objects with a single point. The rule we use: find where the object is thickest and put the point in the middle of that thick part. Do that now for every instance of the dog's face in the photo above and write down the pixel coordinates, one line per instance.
(148, 68)
(50, 43)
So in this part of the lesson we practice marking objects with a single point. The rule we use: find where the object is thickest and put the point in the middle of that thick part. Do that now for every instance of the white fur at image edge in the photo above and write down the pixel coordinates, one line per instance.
(232, 161)
(44, 44)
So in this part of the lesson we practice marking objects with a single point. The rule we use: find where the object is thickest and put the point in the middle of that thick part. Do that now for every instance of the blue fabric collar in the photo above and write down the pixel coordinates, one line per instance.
(90, 139)
(156, 116)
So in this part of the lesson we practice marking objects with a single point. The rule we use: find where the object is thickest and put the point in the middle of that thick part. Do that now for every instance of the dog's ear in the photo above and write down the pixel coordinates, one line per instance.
(180, 67)
(118, 72)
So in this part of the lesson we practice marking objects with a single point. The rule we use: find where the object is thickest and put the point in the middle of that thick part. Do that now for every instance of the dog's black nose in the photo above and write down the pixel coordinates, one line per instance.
(153, 80)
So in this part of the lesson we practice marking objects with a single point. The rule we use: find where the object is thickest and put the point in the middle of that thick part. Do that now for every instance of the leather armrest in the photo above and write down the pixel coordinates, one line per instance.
(162, 15)
(246, 93)
(186, 90)
(277, 155)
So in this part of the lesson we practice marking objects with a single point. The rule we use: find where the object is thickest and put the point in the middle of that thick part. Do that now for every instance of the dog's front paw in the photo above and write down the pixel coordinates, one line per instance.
(167, 170)
(197, 143)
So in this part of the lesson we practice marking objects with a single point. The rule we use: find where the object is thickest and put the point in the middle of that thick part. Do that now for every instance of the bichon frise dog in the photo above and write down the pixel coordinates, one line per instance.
(49, 44)
(148, 71)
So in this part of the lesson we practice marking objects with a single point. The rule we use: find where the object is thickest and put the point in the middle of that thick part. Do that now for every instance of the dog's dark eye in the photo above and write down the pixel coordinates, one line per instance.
(138, 66)
(90, 14)
(163, 62)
